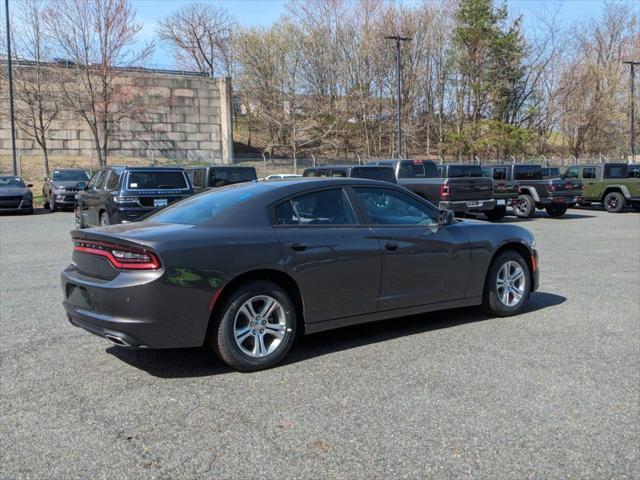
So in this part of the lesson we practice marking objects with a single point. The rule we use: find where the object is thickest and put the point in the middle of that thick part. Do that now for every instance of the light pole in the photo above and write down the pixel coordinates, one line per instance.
(10, 81)
(633, 113)
(398, 39)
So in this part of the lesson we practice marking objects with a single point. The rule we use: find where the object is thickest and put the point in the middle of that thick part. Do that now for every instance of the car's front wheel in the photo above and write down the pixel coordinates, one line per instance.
(254, 328)
(508, 285)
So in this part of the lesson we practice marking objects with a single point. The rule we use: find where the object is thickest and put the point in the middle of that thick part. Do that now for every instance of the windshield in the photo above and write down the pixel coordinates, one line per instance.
(202, 208)
(11, 182)
(70, 176)
(458, 171)
(152, 180)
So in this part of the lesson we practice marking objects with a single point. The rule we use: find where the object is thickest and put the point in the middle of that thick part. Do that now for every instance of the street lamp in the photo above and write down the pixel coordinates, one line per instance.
(10, 81)
(398, 39)
(633, 113)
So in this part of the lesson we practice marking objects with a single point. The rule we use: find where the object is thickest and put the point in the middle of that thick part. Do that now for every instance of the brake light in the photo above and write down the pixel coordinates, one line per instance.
(444, 191)
(120, 256)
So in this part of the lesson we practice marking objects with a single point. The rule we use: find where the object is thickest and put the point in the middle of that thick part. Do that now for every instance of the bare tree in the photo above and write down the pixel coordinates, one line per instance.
(96, 37)
(37, 90)
(200, 37)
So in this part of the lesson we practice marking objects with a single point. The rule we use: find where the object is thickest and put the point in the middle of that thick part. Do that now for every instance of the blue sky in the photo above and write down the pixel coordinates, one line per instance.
(264, 12)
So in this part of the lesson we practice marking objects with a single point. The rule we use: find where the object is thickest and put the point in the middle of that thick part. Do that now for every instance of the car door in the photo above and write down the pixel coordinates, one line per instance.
(87, 200)
(423, 262)
(334, 260)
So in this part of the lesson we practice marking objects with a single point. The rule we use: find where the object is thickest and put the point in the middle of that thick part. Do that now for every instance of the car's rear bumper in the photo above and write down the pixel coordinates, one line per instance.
(468, 205)
(568, 200)
(143, 309)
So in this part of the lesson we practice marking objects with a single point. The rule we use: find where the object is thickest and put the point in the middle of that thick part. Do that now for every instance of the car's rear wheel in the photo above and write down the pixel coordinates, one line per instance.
(104, 219)
(508, 285)
(555, 211)
(525, 207)
(255, 327)
(614, 202)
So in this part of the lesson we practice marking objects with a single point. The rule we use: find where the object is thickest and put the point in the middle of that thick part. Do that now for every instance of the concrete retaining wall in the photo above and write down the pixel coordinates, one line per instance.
(181, 117)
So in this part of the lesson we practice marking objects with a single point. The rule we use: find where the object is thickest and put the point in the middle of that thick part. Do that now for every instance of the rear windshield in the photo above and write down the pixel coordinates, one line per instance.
(459, 171)
(229, 176)
(316, 173)
(374, 173)
(70, 176)
(417, 169)
(200, 209)
(154, 180)
(527, 172)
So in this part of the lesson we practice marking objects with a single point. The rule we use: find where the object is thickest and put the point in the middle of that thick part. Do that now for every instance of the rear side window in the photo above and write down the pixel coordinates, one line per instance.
(113, 181)
(615, 171)
(500, 174)
(327, 207)
(338, 173)
(317, 173)
(460, 171)
(527, 172)
(153, 180)
(589, 172)
(634, 171)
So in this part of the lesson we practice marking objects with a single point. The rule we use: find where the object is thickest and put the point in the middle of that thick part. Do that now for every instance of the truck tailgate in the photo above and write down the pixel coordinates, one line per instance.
(476, 188)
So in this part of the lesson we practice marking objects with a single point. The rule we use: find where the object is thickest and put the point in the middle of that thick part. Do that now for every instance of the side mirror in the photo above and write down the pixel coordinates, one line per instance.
(81, 186)
(446, 217)
(29, 185)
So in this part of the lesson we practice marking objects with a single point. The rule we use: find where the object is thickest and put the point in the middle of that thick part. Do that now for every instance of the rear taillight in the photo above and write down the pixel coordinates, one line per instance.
(120, 256)
(444, 191)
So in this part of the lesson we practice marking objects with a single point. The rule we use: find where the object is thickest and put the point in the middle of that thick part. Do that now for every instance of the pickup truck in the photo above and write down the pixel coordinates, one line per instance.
(505, 193)
(614, 185)
(460, 188)
(554, 195)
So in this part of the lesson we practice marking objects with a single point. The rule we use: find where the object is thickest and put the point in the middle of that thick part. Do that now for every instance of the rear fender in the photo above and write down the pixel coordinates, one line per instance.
(620, 188)
(531, 192)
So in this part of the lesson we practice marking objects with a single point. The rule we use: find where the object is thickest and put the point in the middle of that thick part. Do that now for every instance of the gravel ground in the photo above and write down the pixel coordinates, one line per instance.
(551, 393)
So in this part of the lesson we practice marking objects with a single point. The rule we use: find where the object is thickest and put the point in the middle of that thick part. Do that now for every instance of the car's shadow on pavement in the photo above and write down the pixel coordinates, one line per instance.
(196, 362)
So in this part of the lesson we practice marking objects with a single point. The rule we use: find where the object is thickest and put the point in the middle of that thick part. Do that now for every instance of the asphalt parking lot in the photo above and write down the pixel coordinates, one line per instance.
(551, 393)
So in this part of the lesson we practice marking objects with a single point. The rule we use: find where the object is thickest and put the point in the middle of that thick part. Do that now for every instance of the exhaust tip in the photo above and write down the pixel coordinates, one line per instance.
(116, 340)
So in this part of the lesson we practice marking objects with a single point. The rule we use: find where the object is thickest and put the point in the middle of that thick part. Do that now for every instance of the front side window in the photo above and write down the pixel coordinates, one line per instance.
(589, 172)
(113, 181)
(96, 179)
(326, 207)
(527, 172)
(572, 172)
(389, 207)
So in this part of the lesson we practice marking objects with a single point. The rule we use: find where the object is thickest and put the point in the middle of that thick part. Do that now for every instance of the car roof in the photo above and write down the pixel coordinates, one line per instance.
(144, 169)
(196, 167)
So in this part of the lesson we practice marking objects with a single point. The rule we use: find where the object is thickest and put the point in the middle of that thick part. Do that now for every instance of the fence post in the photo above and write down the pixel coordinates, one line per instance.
(544, 159)
(91, 162)
(477, 159)
(264, 163)
(313, 158)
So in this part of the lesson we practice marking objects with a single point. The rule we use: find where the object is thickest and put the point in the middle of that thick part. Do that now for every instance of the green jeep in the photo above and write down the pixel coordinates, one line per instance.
(615, 185)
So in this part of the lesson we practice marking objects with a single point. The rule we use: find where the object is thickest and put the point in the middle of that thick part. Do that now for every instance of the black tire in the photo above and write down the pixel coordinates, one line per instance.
(221, 338)
(525, 207)
(555, 211)
(491, 300)
(614, 202)
(636, 207)
(496, 214)
(104, 219)
(79, 224)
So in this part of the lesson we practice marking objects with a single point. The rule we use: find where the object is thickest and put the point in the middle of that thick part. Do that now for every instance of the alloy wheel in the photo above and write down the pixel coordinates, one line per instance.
(260, 326)
(510, 283)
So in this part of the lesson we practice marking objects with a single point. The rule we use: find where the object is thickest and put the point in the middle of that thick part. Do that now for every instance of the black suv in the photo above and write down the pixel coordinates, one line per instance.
(121, 194)
(59, 190)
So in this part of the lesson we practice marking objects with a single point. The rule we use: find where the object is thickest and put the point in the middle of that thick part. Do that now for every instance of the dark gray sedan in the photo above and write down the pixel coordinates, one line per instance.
(244, 269)
(15, 195)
